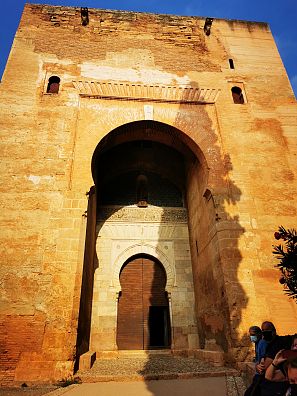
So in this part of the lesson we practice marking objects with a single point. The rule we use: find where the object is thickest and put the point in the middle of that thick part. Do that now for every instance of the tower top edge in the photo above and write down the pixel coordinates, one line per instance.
(49, 9)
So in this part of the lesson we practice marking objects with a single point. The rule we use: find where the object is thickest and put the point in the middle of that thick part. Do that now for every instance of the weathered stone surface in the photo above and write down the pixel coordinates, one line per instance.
(239, 183)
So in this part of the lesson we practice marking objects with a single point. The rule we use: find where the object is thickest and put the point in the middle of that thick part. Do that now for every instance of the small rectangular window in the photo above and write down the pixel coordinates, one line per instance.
(231, 64)
(53, 85)
(237, 95)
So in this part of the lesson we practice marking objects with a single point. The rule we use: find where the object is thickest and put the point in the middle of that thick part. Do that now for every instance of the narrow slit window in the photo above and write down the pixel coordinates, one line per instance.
(237, 95)
(231, 63)
(53, 85)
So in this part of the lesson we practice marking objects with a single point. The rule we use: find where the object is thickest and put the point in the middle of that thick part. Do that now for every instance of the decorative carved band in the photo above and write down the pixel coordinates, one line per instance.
(150, 214)
(146, 93)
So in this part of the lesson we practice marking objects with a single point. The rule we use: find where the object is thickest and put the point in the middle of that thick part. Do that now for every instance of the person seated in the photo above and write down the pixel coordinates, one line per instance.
(260, 345)
(275, 343)
(276, 371)
(260, 349)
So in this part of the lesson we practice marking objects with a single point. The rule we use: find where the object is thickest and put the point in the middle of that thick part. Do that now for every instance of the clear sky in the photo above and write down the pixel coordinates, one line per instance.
(280, 14)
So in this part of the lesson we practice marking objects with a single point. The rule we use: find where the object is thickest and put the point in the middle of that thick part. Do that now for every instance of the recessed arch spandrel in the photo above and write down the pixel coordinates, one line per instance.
(151, 250)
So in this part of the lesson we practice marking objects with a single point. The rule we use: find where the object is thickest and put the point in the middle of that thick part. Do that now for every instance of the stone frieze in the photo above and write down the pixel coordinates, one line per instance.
(135, 214)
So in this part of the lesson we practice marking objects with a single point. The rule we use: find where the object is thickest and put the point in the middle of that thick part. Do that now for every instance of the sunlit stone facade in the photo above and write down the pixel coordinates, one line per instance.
(203, 109)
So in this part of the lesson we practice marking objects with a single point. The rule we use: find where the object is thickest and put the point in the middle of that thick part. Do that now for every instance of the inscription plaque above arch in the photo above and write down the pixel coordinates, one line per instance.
(151, 214)
(145, 92)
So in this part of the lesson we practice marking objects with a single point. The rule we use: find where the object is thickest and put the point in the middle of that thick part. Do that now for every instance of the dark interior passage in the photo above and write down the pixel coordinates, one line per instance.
(158, 326)
(122, 190)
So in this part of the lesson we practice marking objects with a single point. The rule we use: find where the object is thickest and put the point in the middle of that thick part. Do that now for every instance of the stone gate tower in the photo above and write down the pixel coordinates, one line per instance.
(146, 162)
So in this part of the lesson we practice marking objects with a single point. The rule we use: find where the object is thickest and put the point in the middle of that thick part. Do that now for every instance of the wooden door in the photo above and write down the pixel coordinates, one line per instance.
(130, 308)
(143, 314)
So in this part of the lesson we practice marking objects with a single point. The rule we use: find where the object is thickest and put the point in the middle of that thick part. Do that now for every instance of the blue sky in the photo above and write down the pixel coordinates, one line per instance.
(280, 14)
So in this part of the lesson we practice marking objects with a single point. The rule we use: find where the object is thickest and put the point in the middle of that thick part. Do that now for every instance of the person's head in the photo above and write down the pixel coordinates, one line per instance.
(255, 333)
(268, 331)
(294, 342)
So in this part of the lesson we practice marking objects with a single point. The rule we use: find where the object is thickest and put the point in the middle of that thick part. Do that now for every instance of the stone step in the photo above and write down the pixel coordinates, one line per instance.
(133, 353)
(146, 367)
(154, 377)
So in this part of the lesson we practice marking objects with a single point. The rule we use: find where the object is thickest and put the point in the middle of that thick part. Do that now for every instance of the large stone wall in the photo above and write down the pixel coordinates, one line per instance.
(241, 188)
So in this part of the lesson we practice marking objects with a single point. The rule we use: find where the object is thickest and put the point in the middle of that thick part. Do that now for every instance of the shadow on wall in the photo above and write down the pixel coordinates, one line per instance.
(90, 265)
(214, 233)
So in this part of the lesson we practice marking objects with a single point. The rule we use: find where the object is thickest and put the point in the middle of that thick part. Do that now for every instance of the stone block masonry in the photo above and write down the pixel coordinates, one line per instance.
(127, 77)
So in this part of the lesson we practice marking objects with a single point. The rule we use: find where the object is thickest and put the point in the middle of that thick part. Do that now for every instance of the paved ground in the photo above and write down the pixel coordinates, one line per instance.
(210, 386)
(214, 386)
(146, 376)
(198, 387)
(29, 391)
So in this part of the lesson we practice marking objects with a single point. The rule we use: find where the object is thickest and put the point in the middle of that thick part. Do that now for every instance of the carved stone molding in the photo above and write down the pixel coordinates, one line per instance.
(146, 93)
(135, 214)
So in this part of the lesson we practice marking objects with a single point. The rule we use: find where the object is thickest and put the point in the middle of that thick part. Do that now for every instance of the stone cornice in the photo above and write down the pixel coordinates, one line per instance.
(146, 92)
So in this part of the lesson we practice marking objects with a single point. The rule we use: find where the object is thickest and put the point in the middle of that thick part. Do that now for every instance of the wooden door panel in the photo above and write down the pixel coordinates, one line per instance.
(143, 286)
(130, 308)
